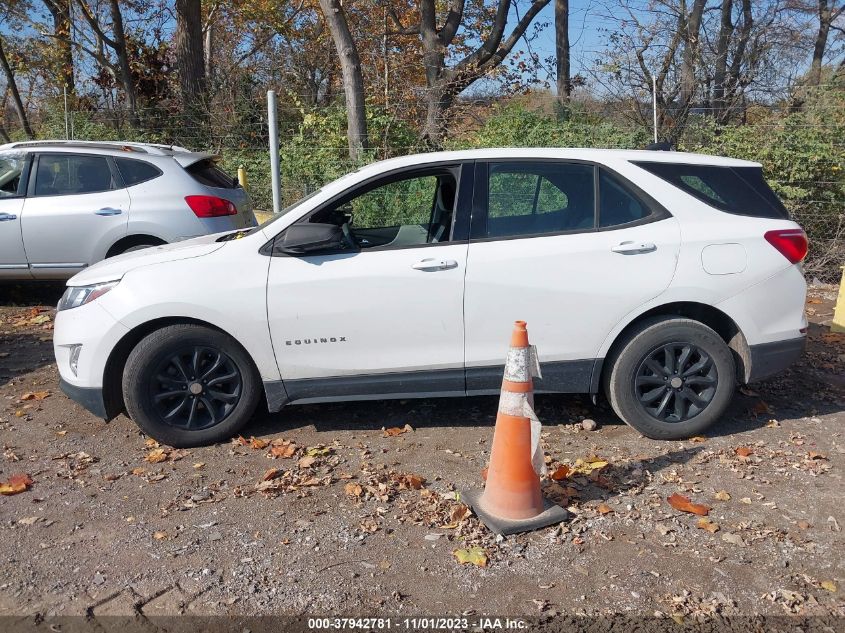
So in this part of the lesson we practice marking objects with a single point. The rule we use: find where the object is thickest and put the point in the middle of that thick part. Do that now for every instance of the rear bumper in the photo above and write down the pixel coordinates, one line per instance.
(768, 359)
(91, 398)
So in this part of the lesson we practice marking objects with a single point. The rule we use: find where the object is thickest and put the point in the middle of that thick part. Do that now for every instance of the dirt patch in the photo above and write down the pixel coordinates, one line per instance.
(319, 510)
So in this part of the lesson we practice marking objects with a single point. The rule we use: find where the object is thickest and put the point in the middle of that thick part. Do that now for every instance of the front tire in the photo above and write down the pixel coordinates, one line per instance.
(188, 385)
(671, 378)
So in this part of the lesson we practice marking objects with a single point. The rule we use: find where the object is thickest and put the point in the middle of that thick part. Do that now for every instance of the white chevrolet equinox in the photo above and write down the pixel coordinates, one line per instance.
(663, 279)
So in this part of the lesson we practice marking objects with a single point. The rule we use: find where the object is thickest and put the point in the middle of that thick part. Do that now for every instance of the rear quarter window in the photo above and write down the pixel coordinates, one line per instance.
(737, 190)
(207, 173)
(135, 172)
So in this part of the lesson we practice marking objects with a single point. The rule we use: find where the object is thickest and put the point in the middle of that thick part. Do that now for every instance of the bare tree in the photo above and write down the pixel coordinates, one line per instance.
(353, 78)
(828, 13)
(12, 84)
(445, 82)
(116, 42)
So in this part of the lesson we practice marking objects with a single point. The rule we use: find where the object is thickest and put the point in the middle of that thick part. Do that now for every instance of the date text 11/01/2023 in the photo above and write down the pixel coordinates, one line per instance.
(419, 624)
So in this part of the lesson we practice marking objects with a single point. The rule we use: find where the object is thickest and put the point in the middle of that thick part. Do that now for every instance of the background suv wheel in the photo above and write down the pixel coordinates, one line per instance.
(671, 378)
(188, 385)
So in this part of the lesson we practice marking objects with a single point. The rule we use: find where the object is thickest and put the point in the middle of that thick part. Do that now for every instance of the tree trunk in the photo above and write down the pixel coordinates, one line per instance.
(564, 80)
(60, 11)
(16, 96)
(190, 61)
(353, 79)
(815, 75)
(123, 62)
(720, 75)
(692, 31)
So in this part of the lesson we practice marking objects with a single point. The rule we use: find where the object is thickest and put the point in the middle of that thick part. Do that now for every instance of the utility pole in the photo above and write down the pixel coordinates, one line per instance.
(275, 176)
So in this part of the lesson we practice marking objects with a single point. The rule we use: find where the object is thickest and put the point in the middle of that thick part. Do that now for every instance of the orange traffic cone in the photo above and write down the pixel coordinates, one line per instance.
(512, 501)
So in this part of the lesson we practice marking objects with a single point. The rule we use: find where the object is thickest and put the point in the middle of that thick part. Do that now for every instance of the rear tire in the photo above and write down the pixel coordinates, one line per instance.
(671, 378)
(189, 385)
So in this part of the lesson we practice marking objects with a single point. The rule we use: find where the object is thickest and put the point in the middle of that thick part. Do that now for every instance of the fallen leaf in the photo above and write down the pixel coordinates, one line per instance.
(307, 461)
(159, 536)
(282, 448)
(36, 395)
(829, 585)
(29, 520)
(603, 508)
(761, 408)
(815, 455)
(353, 489)
(560, 473)
(258, 444)
(156, 456)
(61, 433)
(270, 473)
(804, 525)
(744, 451)
(473, 556)
(697, 439)
(318, 451)
(414, 481)
(394, 431)
(199, 465)
(772, 424)
(151, 443)
(682, 503)
(723, 495)
(733, 539)
(459, 513)
(16, 484)
(706, 524)
(138, 471)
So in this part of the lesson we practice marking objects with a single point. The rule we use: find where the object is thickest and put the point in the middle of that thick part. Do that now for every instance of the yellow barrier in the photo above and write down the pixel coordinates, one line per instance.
(262, 216)
(242, 176)
(838, 324)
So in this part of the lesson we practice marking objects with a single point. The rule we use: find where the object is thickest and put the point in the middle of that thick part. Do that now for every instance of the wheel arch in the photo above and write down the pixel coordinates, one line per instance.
(709, 315)
(128, 241)
(116, 362)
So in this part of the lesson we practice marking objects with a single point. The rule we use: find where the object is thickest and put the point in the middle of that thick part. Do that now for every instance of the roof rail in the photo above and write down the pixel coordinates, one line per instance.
(129, 146)
(662, 146)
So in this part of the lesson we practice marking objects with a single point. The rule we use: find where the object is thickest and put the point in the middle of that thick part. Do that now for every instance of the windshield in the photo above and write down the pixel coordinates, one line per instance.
(10, 175)
(283, 212)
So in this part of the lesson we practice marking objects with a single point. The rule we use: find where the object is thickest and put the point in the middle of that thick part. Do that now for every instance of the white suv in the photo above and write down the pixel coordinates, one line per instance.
(65, 205)
(662, 278)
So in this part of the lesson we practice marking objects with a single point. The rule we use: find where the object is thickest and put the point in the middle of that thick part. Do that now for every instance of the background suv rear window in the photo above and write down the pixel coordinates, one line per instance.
(207, 173)
(739, 190)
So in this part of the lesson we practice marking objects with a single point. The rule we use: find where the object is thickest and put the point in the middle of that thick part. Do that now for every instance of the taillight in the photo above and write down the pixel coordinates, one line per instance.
(210, 206)
(791, 243)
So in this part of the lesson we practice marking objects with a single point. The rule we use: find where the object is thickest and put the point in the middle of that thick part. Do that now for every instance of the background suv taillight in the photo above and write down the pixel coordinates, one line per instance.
(210, 206)
(791, 243)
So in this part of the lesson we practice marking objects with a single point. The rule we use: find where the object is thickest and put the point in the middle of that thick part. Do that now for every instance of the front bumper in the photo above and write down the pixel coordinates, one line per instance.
(91, 398)
(768, 359)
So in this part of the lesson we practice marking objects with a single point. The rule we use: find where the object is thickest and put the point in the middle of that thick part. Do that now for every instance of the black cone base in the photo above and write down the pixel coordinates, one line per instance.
(552, 514)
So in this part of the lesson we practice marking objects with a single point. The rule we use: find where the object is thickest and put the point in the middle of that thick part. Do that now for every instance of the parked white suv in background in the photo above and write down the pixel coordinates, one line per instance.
(662, 278)
(65, 205)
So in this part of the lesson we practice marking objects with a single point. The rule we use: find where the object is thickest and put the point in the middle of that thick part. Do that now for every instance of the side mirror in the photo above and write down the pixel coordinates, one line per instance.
(301, 239)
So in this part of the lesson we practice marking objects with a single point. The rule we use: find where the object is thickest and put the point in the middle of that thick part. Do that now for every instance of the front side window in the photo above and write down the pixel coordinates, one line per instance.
(11, 168)
(65, 174)
(525, 198)
(409, 211)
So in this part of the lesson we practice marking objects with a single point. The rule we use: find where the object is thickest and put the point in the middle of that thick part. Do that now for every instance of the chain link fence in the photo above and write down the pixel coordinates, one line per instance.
(314, 150)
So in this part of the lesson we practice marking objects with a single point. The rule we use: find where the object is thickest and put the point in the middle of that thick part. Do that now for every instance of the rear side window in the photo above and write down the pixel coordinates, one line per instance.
(68, 174)
(738, 190)
(135, 172)
(617, 205)
(525, 198)
(210, 175)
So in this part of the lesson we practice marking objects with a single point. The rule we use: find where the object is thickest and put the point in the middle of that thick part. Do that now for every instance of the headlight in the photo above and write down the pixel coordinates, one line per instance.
(76, 296)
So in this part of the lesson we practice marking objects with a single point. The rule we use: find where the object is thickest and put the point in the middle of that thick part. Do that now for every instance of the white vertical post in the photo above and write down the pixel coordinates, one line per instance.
(654, 103)
(67, 121)
(275, 177)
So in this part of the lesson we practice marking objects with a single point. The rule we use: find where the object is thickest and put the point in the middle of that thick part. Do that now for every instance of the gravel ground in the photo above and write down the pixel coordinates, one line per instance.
(353, 508)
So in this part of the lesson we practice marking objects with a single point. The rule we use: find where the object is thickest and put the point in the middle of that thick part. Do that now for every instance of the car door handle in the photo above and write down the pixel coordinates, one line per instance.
(430, 263)
(5, 217)
(108, 211)
(634, 248)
